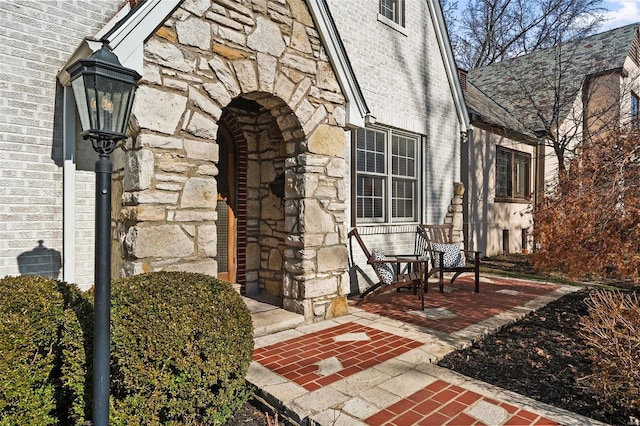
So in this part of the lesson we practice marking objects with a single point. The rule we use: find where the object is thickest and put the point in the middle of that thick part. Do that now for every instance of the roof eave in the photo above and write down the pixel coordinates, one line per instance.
(126, 33)
(356, 106)
(449, 63)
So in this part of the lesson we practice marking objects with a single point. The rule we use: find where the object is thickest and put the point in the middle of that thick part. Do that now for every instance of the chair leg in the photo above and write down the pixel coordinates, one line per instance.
(477, 275)
(441, 279)
(370, 289)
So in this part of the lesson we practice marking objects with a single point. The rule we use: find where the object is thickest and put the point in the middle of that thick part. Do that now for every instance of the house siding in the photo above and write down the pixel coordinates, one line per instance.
(404, 82)
(37, 39)
(488, 218)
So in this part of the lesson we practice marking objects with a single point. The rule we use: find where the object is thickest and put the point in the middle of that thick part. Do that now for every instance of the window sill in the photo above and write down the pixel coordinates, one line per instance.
(512, 200)
(392, 24)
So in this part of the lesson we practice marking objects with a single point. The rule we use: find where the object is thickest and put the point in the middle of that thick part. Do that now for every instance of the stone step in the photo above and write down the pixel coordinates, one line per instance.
(268, 318)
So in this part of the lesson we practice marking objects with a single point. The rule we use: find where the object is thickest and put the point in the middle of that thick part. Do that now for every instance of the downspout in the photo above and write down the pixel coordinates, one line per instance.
(465, 147)
(68, 187)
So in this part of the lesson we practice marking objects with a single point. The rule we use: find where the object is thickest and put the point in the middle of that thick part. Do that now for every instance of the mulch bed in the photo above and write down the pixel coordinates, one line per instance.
(250, 414)
(541, 356)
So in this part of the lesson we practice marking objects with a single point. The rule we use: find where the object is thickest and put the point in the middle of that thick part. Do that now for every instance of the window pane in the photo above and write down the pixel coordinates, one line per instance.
(403, 156)
(388, 8)
(521, 176)
(403, 200)
(370, 197)
(503, 173)
(392, 9)
(370, 151)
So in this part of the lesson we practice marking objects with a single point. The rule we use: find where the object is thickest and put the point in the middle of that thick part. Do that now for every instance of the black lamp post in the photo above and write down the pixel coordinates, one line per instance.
(104, 91)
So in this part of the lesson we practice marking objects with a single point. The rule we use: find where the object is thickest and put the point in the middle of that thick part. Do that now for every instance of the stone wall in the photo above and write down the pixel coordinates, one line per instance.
(455, 213)
(263, 63)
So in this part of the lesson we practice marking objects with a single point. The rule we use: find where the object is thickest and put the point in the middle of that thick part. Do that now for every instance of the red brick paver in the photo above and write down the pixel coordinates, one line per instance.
(467, 308)
(297, 359)
(442, 403)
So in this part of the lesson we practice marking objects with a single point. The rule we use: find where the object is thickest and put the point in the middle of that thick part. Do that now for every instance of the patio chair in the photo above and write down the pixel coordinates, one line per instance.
(446, 256)
(389, 271)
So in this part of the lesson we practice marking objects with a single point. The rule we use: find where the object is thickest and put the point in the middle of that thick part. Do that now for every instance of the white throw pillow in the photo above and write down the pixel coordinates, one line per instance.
(452, 255)
(384, 270)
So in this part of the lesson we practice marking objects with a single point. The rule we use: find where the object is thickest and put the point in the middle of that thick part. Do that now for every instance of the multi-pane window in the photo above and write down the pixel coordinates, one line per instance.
(386, 176)
(393, 10)
(635, 110)
(513, 175)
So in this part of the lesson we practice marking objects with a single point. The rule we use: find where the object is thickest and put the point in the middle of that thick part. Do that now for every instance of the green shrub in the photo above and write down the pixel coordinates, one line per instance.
(181, 344)
(36, 314)
(612, 333)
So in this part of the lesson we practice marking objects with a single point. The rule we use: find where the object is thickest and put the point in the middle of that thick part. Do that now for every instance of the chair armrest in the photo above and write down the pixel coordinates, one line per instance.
(472, 253)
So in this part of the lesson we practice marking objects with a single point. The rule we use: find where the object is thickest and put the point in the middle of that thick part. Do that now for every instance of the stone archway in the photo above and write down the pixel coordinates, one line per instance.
(260, 227)
(274, 81)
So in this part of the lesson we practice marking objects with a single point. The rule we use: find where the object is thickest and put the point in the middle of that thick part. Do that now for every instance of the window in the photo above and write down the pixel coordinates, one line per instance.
(635, 110)
(393, 10)
(513, 175)
(386, 163)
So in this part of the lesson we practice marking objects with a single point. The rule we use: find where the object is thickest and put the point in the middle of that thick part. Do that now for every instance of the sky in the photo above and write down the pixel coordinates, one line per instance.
(621, 12)
(618, 12)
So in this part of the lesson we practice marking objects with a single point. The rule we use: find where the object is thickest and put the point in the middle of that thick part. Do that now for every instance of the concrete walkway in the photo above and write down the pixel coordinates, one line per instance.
(377, 365)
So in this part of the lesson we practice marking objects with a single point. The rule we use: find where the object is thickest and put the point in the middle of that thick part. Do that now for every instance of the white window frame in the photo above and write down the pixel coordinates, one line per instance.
(391, 12)
(380, 170)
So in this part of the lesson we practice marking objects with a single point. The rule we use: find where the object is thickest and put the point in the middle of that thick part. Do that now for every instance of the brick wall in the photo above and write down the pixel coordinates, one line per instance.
(403, 79)
(36, 39)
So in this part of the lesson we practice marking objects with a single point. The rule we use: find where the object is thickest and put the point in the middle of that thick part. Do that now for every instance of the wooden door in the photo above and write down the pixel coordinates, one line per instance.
(226, 206)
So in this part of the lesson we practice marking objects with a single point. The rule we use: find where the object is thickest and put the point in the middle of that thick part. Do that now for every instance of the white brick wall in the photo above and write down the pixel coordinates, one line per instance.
(36, 39)
(404, 83)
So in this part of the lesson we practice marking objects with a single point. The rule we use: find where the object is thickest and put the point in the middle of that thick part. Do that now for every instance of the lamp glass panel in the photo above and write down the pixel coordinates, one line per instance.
(81, 102)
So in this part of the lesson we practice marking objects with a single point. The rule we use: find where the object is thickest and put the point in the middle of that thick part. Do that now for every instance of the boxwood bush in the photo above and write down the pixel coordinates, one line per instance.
(42, 353)
(181, 344)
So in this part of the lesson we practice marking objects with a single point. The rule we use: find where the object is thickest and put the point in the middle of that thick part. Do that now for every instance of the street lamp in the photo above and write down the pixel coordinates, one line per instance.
(104, 91)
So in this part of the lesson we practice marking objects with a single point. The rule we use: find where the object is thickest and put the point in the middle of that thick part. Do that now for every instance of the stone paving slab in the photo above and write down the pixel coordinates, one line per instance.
(367, 368)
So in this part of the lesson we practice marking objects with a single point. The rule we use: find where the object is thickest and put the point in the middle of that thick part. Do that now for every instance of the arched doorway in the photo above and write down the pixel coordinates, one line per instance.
(250, 211)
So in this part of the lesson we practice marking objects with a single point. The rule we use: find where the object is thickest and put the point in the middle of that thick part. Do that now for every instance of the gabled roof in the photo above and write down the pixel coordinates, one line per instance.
(526, 85)
(130, 28)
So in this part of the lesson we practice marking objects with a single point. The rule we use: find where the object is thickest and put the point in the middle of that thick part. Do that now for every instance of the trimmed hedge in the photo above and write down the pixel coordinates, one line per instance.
(181, 344)
(42, 358)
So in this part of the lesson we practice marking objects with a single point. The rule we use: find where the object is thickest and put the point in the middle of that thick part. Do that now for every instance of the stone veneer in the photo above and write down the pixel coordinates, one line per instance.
(455, 213)
(260, 63)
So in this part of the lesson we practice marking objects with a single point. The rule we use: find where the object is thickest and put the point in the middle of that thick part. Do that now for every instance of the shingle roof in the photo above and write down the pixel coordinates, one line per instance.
(483, 108)
(526, 85)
